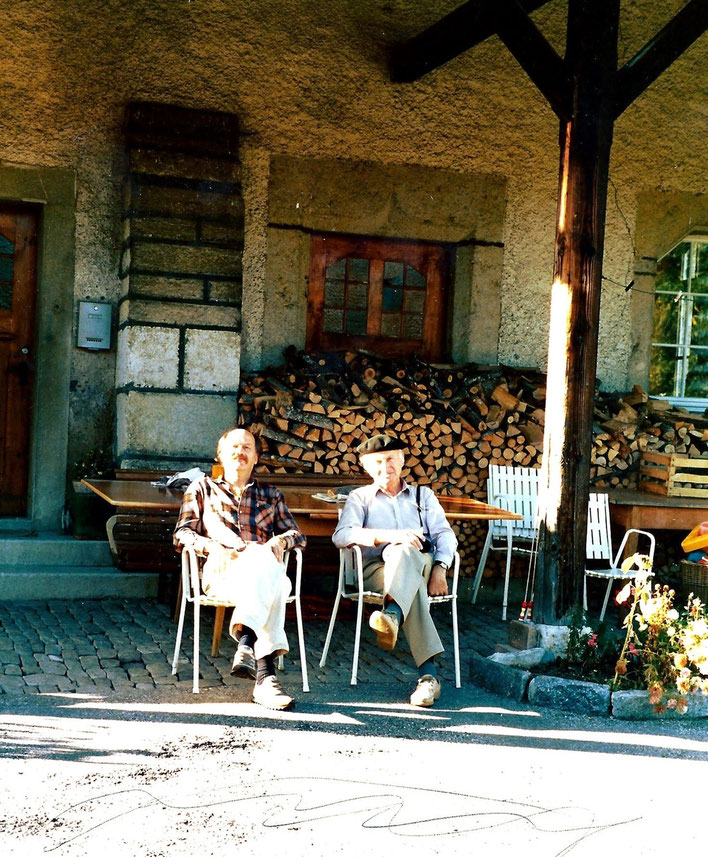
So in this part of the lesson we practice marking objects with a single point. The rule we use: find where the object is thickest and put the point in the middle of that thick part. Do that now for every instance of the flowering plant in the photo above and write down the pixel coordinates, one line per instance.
(590, 653)
(664, 650)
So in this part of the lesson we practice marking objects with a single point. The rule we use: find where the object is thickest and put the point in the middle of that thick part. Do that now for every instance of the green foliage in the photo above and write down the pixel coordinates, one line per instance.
(591, 654)
(96, 464)
(665, 650)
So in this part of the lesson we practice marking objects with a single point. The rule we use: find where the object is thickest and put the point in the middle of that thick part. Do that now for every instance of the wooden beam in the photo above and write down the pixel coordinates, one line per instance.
(535, 55)
(591, 58)
(658, 54)
(447, 38)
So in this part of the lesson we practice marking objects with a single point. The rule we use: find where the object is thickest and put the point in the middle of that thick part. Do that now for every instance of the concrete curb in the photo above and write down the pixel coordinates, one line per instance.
(499, 678)
(581, 697)
(635, 705)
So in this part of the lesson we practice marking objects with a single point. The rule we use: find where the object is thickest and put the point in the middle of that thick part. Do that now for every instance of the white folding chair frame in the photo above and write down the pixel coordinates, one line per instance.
(351, 571)
(516, 490)
(599, 547)
(191, 592)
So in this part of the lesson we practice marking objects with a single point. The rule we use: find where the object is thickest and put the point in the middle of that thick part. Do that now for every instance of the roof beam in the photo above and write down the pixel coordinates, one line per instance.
(467, 26)
(535, 55)
(658, 53)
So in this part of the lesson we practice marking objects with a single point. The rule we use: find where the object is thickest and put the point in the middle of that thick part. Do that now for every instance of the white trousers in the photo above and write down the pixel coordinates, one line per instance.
(257, 585)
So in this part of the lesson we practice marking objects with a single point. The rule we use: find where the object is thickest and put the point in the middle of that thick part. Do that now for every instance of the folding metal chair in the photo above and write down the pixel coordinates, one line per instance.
(350, 586)
(192, 593)
(599, 547)
(514, 489)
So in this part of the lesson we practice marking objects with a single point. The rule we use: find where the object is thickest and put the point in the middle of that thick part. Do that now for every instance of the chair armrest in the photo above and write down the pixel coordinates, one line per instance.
(455, 573)
(620, 551)
(350, 559)
(190, 573)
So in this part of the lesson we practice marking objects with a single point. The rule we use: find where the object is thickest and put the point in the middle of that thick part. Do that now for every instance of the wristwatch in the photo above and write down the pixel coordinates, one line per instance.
(442, 564)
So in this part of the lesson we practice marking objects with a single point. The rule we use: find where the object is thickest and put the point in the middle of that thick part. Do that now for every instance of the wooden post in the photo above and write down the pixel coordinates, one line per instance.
(585, 141)
(587, 92)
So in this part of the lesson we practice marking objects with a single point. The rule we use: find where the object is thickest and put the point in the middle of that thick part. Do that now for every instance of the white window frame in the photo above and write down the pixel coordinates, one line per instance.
(683, 343)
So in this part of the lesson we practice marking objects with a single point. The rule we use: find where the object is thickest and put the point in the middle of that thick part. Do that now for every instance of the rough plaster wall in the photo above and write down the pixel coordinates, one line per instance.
(309, 79)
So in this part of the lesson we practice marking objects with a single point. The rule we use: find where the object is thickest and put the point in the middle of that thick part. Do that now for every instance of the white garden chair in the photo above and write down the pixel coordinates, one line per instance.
(516, 490)
(350, 586)
(599, 548)
(191, 592)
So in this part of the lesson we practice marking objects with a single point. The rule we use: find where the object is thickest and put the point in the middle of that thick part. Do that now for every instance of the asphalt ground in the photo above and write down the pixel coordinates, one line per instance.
(145, 767)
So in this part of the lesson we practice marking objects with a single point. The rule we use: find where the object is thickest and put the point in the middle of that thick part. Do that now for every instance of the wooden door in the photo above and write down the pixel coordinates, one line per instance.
(18, 256)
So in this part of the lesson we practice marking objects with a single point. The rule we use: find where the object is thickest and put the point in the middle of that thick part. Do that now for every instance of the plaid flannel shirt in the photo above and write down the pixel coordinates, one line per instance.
(260, 514)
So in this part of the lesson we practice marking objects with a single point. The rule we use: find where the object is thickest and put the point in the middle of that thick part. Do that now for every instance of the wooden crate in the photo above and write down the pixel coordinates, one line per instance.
(673, 475)
(694, 577)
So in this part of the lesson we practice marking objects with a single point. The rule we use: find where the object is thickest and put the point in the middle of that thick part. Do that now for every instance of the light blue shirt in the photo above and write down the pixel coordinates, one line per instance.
(369, 508)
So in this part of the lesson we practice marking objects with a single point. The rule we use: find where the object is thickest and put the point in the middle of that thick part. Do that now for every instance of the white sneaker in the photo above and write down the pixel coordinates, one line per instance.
(426, 691)
(270, 694)
(244, 665)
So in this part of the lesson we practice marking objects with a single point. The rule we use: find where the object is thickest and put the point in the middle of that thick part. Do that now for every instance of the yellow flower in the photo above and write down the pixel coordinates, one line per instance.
(656, 691)
(624, 593)
(680, 660)
(683, 684)
(638, 561)
(699, 627)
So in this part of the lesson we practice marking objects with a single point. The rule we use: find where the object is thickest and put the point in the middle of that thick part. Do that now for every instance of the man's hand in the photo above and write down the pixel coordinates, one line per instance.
(233, 552)
(413, 538)
(277, 544)
(437, 584)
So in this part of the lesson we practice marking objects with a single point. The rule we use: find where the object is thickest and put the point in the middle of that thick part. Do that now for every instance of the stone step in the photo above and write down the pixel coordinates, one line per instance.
(32, 582)
(54, 549)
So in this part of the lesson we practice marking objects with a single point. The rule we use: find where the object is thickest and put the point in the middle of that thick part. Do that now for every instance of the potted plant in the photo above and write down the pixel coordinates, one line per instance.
(88, 513)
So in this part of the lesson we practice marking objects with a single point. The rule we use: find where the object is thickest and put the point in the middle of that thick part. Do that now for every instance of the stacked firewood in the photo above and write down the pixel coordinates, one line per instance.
(455, 420)
(627, 425)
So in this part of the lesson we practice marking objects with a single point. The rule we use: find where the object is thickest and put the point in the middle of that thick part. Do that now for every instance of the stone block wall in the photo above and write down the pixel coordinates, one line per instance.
(179, 333)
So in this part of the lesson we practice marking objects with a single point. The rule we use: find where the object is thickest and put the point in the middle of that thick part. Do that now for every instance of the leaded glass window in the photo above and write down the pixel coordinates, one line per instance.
(380, 294)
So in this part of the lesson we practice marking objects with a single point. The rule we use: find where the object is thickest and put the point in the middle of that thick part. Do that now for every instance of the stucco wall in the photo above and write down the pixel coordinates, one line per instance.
(309, 80)
(462, 210)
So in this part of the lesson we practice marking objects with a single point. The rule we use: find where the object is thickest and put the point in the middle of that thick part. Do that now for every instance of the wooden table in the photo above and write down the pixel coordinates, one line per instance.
(643, 511)
(314, 517)
(138, 502)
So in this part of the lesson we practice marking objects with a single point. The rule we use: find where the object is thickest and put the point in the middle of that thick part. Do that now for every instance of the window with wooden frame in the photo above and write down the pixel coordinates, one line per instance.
(378, 294)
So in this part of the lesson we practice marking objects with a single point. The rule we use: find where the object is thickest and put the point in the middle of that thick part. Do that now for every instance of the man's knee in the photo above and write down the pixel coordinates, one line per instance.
(404, 557)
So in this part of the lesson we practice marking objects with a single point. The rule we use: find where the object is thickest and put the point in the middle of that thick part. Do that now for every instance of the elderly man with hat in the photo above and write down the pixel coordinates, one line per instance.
(407, 547)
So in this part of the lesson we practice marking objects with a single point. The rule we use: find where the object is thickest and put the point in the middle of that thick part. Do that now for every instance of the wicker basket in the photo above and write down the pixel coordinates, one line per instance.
(695, 579)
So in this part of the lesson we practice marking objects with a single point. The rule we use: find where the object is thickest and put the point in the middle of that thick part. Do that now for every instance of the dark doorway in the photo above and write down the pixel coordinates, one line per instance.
(18, 286)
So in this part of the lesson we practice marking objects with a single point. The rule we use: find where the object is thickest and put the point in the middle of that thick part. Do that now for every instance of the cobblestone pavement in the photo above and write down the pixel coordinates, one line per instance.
(110, 645)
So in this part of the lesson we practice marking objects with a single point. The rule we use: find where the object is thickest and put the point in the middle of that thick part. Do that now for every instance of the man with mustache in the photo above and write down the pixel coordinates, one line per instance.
(243, 529)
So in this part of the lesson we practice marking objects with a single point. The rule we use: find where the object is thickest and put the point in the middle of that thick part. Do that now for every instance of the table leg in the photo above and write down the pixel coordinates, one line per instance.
(218, 628)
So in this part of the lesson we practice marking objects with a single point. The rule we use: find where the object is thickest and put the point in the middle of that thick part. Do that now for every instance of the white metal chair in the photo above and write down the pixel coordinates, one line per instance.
(350, 586)
(514, 489)
(599, 547)
(192, 593)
